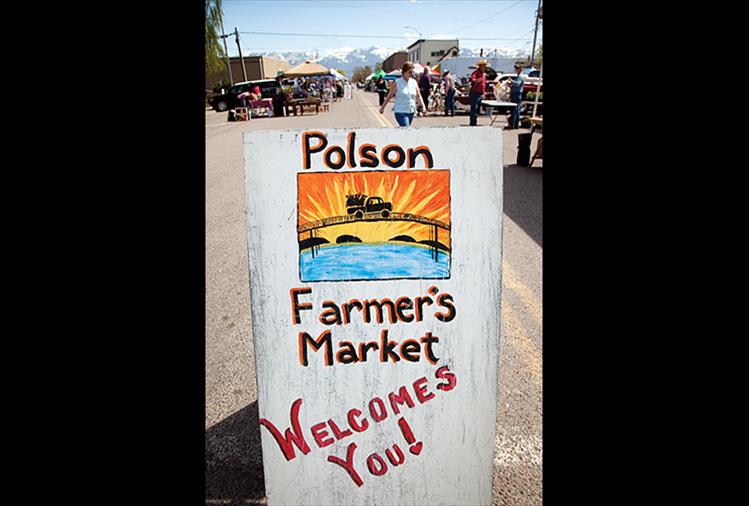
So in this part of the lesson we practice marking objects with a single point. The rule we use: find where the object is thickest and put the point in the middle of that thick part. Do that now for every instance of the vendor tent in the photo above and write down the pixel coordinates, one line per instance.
(395, 74)
(337, 75)
(307, 69)
(419, 69)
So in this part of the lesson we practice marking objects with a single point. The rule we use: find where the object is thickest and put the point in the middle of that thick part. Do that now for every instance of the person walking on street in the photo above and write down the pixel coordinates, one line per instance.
(478, 88)
(516, 95)
(449, 93)
(338, 90)
(406, 95)
(382, 89)
(425, 86)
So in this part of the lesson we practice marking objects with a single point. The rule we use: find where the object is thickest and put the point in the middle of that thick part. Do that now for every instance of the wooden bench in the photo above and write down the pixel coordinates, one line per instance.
(302, 103)
(241, 113)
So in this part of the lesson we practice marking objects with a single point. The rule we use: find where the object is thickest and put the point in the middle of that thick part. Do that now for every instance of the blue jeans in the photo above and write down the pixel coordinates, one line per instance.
(515, 116)
(404, 119)
(475, 103)
(450, 102)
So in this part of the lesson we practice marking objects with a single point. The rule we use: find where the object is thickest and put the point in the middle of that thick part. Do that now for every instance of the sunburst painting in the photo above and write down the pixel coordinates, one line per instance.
(374, 225)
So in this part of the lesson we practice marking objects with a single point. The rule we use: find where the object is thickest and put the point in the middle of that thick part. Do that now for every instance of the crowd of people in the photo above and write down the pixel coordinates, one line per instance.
(412, 96)
(326, 88)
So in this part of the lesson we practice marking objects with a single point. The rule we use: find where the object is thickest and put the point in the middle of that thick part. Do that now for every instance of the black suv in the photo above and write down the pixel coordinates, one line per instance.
(229, 100)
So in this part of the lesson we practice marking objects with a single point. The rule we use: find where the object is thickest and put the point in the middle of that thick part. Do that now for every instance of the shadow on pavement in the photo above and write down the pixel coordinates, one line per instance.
(522, 198)
(234, 460)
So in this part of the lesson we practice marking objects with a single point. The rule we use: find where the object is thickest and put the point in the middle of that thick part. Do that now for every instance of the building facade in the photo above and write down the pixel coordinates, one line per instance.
(395, 61)
(432, 50)
(257, 67)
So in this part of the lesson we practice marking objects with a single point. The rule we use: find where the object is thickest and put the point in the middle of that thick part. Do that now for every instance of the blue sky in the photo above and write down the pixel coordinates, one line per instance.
(512, 20)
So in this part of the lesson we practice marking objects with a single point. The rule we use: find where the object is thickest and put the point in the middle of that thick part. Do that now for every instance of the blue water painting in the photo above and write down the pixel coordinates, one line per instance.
(348, 262)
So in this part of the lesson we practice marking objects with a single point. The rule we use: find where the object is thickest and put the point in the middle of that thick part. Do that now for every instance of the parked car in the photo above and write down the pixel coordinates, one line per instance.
(268, 88)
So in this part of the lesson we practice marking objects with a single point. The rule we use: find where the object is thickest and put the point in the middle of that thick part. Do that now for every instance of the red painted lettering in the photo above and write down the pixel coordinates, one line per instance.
(399, 453)
(401, 398)
(445, 374)
(421, 390)
(377, 417)
(319, 433)
(296, 436)
(352, 414)
(337, 432)
(348, 464)
(378, 470)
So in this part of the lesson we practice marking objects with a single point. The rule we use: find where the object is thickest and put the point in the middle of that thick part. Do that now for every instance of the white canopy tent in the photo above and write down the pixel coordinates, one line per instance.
(395, 74)
(337, 75)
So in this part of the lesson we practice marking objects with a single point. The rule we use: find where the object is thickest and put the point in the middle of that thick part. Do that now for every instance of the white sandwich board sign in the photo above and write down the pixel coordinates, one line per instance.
(375, 271)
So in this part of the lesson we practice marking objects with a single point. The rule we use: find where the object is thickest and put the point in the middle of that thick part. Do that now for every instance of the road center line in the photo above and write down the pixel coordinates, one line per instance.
(512, 281)
(522, 342)
(376, 111)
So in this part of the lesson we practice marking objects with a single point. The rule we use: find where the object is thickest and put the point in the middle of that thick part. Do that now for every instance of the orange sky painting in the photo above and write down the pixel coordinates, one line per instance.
(421, 192)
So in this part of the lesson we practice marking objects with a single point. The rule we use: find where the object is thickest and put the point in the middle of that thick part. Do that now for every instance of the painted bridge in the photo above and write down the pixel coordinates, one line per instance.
(337, 220)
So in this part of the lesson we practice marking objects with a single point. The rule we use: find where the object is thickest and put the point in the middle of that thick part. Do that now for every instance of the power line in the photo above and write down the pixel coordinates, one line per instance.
(377, 2)
(488, 18)
(373, 36)
(357, 5)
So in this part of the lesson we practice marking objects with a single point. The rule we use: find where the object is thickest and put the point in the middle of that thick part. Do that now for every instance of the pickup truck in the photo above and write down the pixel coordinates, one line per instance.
(359, 204)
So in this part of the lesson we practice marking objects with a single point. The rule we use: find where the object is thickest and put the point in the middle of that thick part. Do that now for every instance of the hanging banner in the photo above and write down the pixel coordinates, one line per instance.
(375, 272)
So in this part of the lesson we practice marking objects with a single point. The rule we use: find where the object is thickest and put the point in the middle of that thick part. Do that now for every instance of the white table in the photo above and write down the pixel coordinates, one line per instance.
(492, 104)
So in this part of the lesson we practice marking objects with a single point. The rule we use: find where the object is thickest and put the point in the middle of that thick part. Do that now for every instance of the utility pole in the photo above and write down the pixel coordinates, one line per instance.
(226, 50)
(241, 58)
(535, 32)
(228, 62)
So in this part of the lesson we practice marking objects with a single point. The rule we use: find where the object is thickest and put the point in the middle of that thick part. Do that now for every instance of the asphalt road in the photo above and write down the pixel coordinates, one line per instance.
(234, 472)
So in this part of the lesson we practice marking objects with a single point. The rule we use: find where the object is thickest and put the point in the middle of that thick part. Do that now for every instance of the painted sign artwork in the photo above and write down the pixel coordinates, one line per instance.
(374, 260)
(374, 225)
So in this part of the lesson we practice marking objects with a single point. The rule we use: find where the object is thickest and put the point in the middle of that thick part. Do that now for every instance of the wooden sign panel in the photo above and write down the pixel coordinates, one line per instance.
(375, 271)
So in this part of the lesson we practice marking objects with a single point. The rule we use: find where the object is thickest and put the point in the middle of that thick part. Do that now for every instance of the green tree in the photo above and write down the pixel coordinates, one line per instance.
(360, 74)
(540, 56)
(214, 51)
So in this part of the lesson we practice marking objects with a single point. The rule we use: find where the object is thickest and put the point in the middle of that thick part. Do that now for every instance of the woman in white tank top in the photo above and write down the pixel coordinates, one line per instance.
(406, 93)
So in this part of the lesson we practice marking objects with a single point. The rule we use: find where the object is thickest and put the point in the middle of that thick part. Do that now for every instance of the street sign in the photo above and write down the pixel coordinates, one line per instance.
(375, 273)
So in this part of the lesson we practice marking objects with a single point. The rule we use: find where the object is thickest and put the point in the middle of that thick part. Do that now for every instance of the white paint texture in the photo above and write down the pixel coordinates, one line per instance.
(457, 428)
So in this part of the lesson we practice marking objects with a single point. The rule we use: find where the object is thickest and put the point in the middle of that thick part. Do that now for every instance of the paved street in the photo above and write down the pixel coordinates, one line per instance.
(234, 460)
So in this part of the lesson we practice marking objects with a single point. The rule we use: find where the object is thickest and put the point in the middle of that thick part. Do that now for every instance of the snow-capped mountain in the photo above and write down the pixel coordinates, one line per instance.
(346, 58)
(349, 58)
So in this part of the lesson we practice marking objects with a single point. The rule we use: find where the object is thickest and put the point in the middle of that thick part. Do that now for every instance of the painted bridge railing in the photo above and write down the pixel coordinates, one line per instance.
(335, 220)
